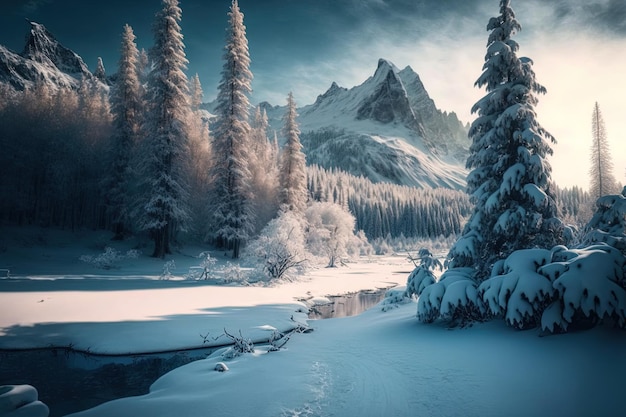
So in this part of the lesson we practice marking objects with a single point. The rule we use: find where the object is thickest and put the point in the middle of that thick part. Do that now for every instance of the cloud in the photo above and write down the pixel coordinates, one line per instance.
(24, 6)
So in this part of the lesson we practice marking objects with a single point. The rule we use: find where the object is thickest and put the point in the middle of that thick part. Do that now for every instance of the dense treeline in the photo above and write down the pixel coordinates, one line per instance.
(383, 209)
(52, 161)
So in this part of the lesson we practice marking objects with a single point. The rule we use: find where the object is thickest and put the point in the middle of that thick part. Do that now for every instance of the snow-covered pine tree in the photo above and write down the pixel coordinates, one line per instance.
(601, 171)
(233, 215)
(100, 72)
(199, 162)
(163, 206)
(264, 171)
(126, 107)
(292, 179)
(509, 182)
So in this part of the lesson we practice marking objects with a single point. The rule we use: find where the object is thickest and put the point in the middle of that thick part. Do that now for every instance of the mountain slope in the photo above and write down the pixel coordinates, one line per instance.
(387, 129)
(43, 60)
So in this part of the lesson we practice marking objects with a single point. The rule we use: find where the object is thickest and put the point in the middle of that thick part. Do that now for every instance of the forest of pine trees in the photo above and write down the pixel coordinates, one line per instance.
(137, 156)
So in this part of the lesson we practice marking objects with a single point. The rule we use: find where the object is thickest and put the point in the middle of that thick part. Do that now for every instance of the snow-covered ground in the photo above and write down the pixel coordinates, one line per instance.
(378, 363)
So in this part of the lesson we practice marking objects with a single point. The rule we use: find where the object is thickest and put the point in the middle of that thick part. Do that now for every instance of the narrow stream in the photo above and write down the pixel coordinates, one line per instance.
(70, 381)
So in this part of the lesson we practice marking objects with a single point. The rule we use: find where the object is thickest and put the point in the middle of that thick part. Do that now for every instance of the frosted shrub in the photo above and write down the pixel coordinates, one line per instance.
(516, 290)
(206, 269)
(279, 250)
(240, 346)
(423, 274)
(331, 229)
(233, 273)
(590, 287)
(167, 270)
(109, 258)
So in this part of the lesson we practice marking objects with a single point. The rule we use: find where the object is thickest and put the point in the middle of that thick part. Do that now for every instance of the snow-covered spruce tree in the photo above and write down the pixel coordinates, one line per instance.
(601, 171)
(198, 165)
(100, 72)
(292, 179)
(163, 204)
(126, 108)
(423, 274)
(233, 215)
(264, 171)
(509, 182)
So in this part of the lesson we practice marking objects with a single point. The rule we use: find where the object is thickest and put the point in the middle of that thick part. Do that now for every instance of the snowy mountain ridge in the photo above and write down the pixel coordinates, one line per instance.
(43, 60)
(387, 129)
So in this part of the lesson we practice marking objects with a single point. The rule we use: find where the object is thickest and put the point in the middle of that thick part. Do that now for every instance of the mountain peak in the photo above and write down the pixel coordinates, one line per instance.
(43, 47)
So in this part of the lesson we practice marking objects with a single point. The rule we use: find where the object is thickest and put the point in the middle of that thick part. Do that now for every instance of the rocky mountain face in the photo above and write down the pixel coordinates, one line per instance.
(387, 129)
(43, 60)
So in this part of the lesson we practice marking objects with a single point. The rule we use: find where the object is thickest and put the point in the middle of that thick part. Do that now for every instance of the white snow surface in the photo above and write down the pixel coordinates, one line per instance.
(380, 363)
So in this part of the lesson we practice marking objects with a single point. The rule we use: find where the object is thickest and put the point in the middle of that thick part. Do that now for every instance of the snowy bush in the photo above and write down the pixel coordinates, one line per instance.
(240, 346)
(516, 290)
(423, 274)
(330, 231)
(454, 298)
(206, 269)
(394, 297)
(167, 269)
(280, 248)
(233, 273)
(590, 287)
(608, 223)
(109, 258)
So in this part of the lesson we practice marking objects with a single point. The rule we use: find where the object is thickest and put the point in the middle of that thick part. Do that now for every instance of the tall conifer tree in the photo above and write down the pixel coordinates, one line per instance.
(509, 182)
(601, 171)
(233, 216)
(164, 208)
(126, 109)
(292, 180)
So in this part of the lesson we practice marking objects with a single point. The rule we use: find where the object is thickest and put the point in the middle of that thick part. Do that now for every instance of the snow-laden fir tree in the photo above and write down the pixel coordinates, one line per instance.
(199, 163)
(233, 216)
(292, 180)
(509, 182)
(163, 206)
(100, 72)
(601, 171)
(263, 169)
(126, 107)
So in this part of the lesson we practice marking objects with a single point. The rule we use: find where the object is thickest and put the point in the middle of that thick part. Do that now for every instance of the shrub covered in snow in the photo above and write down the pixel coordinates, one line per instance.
(423, 275)
(454, 298)
(330, 231)
(589, 283)
(109, 258)
(516, 290)
(280, 248)
(608, 223)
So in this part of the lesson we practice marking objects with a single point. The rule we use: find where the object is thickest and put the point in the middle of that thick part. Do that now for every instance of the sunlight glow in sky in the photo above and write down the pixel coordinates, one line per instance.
(303, 46)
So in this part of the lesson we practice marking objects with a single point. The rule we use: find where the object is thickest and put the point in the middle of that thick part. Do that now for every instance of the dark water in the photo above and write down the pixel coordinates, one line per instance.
(348, 304)
(68, 381)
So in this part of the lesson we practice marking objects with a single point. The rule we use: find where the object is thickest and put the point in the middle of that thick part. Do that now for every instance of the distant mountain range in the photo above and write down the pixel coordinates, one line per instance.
(387, 129)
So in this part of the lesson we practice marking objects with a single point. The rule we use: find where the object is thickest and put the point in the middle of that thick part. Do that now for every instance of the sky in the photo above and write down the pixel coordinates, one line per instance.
(304, 45)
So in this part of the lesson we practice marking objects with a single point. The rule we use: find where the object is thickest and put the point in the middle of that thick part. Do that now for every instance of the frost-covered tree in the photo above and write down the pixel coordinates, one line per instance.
(233, 215)
(199, 161)
(163, 205)
(330, 231)
(280, 248)
(100, 72)
(601, 171)
(292, 179)
(126, 107)
(509, 180)
(263, 169)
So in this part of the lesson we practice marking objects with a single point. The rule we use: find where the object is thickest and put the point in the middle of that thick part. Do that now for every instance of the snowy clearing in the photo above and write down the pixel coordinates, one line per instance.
(378, 363)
